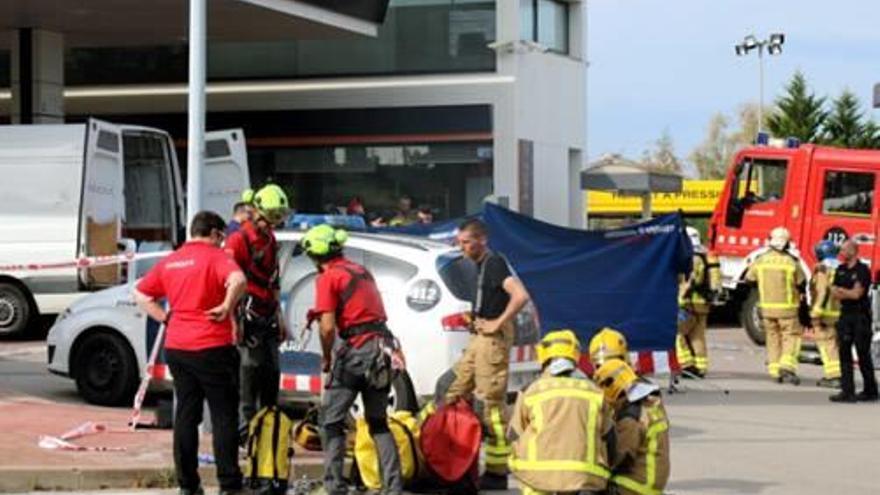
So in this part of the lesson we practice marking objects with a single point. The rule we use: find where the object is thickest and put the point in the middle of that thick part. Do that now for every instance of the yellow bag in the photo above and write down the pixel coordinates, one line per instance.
(405, 429)
(269, 449)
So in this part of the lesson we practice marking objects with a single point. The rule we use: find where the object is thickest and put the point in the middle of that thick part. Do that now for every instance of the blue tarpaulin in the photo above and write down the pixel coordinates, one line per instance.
(584, 280)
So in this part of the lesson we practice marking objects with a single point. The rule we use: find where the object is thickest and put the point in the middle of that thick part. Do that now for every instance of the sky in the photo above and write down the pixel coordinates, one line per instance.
(660, 65)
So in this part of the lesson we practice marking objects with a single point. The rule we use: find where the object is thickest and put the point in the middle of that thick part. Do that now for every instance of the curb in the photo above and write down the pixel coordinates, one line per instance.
(45, 478)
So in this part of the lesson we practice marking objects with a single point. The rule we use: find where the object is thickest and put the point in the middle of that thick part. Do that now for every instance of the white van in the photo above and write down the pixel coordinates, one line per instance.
(93, 189)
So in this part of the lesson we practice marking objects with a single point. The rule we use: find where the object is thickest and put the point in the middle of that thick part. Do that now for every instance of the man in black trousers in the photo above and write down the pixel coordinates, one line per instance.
(851, 282)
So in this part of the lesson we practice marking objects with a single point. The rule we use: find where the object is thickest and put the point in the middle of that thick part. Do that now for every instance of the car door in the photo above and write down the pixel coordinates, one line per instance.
(226, 173)
(102, 211)
(844, 207)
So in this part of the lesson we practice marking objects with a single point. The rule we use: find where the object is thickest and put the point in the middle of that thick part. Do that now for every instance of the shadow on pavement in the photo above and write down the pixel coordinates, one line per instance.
(720, 485)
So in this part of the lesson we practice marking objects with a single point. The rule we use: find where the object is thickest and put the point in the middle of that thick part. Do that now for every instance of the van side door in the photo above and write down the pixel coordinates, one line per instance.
(226, 173)
(102, 211)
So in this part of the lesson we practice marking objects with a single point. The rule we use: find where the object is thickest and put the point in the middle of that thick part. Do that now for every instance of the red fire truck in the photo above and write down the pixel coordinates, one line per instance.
(815, 192)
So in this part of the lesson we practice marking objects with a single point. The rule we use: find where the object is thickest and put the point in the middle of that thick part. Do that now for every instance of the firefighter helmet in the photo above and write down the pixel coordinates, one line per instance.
(559, 344)
(323, 240)
(615, 377)
(271, 203)
(608, 344)
(826, 249)
(694, 235)
(779, 238)
(306, 433)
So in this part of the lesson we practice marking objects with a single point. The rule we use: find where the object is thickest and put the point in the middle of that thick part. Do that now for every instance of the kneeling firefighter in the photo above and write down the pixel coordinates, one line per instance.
(358, 362)
(561, 425)
(606, 345)
(641, 460)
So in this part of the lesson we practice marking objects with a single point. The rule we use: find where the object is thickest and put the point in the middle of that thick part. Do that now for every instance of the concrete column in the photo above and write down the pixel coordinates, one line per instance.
(37, 77)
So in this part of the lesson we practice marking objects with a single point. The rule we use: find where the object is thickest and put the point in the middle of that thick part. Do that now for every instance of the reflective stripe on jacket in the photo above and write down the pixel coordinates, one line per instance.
(561, 424)
(824, 306)
(778, 276)
(648, 471)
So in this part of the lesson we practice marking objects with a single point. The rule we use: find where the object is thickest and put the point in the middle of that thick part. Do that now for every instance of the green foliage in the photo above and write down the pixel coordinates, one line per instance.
(713, 156)
(799, 112)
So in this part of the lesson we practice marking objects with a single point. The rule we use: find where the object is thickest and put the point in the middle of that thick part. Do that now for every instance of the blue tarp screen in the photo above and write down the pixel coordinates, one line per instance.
(585, 280)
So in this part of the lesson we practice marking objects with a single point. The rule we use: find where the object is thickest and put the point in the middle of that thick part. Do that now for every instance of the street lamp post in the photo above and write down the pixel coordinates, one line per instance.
(750, 43)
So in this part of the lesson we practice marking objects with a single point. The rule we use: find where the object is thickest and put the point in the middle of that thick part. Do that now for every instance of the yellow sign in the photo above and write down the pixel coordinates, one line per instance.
(698, 197)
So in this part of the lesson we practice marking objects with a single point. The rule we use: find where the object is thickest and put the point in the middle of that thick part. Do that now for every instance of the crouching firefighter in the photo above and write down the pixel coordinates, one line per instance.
(562, 428)
(641, 459)
(360, 361)
(255, 250)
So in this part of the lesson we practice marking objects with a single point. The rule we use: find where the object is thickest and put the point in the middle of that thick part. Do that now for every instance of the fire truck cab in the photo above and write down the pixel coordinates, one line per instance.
(816, 192)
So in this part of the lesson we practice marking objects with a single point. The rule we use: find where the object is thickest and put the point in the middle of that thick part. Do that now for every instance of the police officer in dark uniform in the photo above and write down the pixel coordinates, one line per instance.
(851, 282)
(358, 351)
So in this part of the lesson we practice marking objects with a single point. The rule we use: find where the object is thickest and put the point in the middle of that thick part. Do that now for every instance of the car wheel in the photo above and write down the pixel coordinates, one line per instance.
(106, 370)
(15, 310)
(750, 318)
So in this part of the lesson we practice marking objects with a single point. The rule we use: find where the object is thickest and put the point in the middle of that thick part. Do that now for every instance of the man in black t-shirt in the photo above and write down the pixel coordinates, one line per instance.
(851, 282)
(483, 368)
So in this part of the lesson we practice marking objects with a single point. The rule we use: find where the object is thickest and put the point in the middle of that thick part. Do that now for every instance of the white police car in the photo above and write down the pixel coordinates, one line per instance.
(103, 340)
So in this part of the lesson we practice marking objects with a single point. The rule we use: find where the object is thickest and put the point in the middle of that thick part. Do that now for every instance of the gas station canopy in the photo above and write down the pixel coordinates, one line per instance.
(154, 22)
(627, 178)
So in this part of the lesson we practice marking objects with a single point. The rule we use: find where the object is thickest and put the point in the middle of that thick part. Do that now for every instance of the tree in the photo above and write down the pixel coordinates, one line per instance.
(662, 157)
(799, 112)
(845, 123)
(713, 156)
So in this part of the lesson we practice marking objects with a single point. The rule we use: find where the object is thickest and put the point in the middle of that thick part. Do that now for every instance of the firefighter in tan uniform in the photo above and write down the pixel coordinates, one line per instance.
(825, 311)
(561, 425)
(780, 282)
(607, 344)
(483, 368)
(641, 462)
(695, 294)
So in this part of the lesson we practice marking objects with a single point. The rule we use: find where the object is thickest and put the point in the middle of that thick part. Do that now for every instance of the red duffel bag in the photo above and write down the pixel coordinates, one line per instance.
(450, 441)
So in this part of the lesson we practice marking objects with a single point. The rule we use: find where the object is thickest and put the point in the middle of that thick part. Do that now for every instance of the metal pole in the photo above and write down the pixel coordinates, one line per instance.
(760, 87)
(196, 129)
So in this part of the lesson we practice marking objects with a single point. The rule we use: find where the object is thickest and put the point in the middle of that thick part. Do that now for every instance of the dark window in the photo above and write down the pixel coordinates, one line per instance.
(148, 201)
(459, 274)
(848, 194)
(5, 61)
(545, 22)
(108, 141)
(217, 148)
(761, 181)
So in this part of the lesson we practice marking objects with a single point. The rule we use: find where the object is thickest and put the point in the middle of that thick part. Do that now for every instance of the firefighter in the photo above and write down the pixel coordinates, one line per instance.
(780, 282)
(483, 368)
(561, 425)
(255, 250)
(641, 461)
(607, 344)
(825, 312)
(695, 294)
(358, 350)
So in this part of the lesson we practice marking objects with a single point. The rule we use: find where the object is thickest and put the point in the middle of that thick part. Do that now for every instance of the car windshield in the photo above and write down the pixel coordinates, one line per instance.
(459, 274)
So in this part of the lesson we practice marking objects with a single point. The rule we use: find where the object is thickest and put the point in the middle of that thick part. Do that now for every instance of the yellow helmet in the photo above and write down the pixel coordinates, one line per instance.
(559, 344)
(615, 377)
(306, 433)
(271, 203)
(323, 240)
(608, 344)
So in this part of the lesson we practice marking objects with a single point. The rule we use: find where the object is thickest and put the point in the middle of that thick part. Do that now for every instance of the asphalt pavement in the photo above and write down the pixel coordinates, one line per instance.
(736, 433)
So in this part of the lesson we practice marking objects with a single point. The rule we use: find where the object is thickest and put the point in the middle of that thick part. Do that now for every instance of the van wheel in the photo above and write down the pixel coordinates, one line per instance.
(403, 394)
(750, 319)
(106, 370)
(15, 310)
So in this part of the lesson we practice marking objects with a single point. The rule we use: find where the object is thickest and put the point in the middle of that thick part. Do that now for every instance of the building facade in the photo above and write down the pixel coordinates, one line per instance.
(453, 101)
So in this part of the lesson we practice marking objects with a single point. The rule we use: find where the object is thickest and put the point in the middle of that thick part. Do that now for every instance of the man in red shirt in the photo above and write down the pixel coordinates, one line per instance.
(202, 286)
(349, 305)
(255, 250)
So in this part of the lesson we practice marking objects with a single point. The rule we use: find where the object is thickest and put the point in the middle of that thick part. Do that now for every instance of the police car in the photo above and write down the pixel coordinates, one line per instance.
(103, 340)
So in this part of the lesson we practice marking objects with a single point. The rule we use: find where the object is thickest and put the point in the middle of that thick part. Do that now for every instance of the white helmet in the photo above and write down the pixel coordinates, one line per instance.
(779, 238)
(694, 235)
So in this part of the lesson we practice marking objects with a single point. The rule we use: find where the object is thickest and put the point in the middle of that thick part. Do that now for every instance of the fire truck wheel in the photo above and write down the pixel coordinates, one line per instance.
(750, 319)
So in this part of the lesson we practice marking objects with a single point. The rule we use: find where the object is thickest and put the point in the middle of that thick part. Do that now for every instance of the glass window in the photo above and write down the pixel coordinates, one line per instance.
(545, 22)
(5, 62)
(418, 36)
(761, 181)
(553, 25)
(459, 274)
(848, 194)
(148, 201)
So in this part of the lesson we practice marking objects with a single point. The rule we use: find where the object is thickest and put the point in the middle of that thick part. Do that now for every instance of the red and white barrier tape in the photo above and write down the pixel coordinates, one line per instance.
(83, 262)
(145, 381)
(644, 362)
(63, 441)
